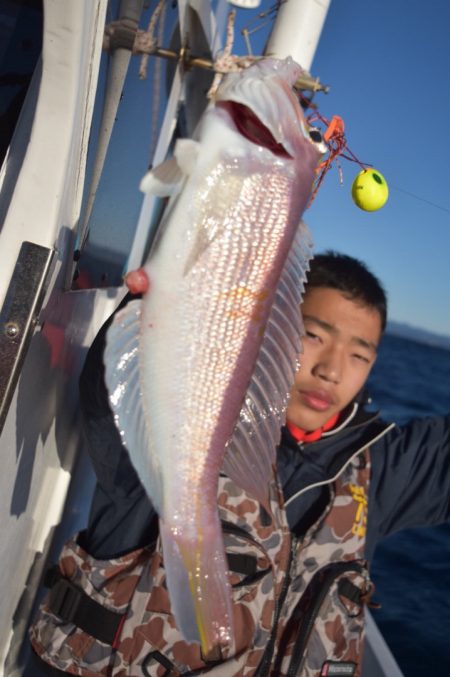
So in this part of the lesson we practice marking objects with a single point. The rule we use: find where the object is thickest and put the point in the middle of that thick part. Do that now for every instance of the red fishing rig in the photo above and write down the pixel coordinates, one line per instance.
(369, 188)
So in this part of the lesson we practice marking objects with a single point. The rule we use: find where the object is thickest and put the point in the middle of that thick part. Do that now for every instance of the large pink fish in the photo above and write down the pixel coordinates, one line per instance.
(179, 362)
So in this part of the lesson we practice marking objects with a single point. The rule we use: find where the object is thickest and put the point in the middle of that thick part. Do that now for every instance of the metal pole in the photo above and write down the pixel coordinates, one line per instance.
(297, 30)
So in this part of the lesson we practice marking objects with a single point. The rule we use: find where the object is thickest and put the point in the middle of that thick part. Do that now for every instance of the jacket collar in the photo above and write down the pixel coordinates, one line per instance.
(353, 417)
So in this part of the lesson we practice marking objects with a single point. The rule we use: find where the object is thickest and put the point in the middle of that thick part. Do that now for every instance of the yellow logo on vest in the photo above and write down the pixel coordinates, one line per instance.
(360, 523)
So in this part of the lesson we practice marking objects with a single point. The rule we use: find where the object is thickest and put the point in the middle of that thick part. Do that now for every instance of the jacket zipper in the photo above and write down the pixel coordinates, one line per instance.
(265, 662)
(310, 616)
(342, 468)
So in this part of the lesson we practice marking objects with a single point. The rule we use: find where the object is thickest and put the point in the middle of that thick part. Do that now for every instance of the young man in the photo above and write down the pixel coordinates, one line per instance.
(299, 576)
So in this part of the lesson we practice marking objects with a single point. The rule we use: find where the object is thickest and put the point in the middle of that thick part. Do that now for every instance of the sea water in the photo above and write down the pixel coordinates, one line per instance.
(411, 569)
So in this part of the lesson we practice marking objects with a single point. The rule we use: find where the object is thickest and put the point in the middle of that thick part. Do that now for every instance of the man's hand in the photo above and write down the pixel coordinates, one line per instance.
(137, 281)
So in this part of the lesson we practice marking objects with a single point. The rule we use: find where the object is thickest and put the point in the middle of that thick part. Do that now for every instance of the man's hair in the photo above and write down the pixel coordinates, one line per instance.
(351, 277)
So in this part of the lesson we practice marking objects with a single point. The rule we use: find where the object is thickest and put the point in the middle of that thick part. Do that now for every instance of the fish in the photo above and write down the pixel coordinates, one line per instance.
(194, 367)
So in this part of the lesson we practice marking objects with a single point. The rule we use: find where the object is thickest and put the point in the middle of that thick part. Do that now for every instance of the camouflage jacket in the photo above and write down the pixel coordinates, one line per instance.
(298, 604)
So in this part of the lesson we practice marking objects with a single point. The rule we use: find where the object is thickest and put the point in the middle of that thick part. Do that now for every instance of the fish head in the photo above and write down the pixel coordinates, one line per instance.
(263, 106)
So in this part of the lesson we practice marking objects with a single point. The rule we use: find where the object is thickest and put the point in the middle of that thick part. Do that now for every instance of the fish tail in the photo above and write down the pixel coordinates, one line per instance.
(199, 591)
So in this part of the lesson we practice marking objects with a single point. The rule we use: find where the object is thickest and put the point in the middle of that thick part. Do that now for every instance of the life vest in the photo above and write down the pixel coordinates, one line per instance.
(298, 606)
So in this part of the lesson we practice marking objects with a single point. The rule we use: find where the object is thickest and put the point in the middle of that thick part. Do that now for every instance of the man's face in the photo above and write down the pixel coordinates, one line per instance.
(339, 350)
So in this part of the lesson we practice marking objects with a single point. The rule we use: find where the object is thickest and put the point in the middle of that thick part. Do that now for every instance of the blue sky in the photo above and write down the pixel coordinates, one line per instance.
(387, 64)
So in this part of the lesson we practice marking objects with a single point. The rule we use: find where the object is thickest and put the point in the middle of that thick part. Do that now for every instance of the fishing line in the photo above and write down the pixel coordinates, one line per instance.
(417, 197)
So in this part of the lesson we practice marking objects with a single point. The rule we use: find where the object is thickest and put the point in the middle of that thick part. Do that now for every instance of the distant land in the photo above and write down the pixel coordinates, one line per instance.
(415, 334)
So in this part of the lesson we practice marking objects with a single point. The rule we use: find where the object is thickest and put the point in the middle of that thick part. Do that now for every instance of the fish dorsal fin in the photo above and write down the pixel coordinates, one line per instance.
(251, 451)
(122, 380)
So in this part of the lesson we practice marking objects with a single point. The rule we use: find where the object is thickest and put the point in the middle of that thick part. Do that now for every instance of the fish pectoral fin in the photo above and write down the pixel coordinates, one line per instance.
(197, 581)
(163, 180)
(186, 152)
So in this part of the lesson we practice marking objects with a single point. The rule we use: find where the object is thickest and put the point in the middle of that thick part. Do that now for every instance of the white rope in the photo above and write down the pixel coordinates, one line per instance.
(146, 42)
(156, 98)
(228, 62)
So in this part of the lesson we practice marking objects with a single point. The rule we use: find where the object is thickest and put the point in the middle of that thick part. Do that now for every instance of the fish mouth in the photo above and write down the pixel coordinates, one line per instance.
(250, 127)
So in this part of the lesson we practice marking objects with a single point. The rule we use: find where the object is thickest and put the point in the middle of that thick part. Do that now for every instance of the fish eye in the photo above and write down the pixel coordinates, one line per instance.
(315, 135)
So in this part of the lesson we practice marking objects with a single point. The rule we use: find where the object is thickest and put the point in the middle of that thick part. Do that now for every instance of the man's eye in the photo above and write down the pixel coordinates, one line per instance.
(363, 358)
(311, 335)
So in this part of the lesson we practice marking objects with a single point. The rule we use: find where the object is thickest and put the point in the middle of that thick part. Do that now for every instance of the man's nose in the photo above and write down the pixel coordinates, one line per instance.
(329, 367)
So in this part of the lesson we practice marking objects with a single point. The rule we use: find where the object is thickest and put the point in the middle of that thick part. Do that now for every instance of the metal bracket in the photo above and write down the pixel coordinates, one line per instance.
(19, 314)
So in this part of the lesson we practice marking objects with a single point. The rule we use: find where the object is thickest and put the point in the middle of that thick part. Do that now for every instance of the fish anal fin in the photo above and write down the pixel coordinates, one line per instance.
(122, 377)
